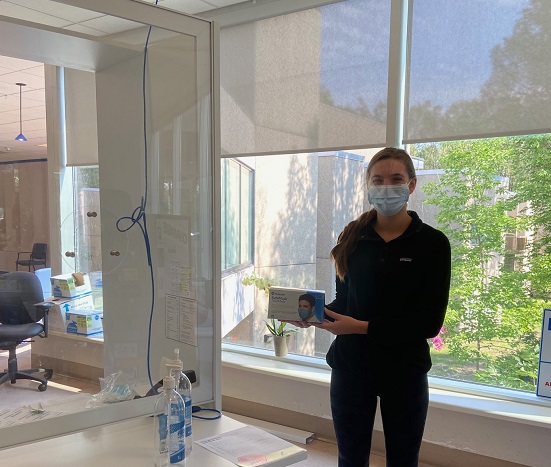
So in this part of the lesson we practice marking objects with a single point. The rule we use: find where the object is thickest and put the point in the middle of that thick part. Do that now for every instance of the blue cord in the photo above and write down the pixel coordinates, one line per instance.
(200, 409)
(138, 216)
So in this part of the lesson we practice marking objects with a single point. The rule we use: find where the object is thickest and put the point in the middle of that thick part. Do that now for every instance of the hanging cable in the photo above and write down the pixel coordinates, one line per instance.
(138, 216)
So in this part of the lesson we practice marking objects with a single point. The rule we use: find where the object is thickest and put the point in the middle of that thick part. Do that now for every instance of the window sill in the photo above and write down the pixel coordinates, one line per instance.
(484, 401)
(98, 337)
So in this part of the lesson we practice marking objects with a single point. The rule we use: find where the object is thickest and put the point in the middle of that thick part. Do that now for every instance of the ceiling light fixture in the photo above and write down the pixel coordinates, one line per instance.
(20, 136)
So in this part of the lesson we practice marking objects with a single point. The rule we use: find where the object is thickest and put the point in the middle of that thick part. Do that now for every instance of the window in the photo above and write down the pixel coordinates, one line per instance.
(237, 214)
(488, 194)
(87, 218)
(500, 284)
(302, 202)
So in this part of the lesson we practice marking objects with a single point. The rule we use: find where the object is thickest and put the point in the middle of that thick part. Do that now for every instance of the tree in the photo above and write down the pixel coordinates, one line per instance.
(532, 184)
(430, 153)
(521, 70)
(492, 317)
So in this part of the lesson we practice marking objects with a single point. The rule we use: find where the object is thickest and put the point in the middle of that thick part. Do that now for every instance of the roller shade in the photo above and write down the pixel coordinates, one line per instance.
(478, 68)
(308, 81)
(80, 117)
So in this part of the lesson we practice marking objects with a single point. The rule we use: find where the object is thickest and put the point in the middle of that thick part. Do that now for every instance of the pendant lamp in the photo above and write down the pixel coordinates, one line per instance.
(20, 136)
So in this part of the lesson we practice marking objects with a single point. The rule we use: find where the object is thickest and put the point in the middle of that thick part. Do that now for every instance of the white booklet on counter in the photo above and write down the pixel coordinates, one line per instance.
(250, 446)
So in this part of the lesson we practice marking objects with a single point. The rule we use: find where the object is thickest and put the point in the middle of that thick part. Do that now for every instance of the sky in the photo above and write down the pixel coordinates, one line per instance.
(451, 45)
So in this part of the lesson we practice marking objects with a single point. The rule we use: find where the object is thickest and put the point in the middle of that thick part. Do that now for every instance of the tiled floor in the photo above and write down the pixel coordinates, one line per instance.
(25, 392)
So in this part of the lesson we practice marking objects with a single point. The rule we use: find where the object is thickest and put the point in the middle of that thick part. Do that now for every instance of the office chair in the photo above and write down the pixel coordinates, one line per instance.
(22, 319)
(37, 257)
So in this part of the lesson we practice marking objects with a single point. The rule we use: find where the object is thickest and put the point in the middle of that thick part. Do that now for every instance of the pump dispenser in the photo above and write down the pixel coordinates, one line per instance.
(183, 387)
(169, 426)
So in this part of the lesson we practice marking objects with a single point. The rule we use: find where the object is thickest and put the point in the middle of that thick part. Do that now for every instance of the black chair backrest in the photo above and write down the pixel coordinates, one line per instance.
(19, 292)
(39, 251)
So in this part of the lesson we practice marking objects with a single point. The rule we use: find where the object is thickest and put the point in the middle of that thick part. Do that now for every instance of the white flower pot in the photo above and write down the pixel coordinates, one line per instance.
(281, 345)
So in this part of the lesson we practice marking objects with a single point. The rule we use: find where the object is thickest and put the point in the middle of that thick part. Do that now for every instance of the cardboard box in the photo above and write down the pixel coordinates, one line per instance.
(64, 285)
(57, 314)
(84, 322)
(290, 304)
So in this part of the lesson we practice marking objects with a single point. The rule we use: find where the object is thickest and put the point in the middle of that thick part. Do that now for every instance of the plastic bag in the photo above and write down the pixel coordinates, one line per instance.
(116, 387)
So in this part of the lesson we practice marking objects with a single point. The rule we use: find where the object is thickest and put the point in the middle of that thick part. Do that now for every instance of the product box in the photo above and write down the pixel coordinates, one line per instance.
(70, 285)
(289, 304)
(84, 322)
(57, 313)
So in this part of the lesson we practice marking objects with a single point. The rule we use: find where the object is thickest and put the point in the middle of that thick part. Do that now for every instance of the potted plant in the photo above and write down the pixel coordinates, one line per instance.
(280, 336)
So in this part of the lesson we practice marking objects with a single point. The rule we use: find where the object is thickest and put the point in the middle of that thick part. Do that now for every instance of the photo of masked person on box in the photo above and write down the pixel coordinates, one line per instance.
(306, 305)
(291, 304)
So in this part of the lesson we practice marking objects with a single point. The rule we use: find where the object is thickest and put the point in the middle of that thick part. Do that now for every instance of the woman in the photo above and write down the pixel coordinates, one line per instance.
(393, 278)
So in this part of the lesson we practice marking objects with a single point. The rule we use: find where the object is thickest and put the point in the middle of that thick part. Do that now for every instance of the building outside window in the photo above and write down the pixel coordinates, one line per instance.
(237, 214)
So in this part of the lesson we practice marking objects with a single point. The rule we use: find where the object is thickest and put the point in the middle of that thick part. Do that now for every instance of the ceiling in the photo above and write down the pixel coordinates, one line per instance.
(13, 70)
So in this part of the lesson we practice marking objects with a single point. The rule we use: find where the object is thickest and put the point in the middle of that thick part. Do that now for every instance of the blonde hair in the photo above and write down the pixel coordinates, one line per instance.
(348, 238)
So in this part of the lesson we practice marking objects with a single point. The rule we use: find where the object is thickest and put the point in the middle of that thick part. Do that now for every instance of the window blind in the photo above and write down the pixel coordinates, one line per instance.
(478, 68)
(80, 117)
(308, 81)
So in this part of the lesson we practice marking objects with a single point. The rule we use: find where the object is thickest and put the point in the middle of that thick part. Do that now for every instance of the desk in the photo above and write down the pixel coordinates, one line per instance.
(118, 445)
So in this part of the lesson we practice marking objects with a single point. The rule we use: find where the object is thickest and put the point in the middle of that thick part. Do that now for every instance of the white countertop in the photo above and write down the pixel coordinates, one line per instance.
(118, 444)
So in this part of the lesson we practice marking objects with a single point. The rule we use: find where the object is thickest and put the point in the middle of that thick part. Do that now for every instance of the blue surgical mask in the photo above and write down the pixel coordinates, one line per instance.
(303, 313)
(388, 199)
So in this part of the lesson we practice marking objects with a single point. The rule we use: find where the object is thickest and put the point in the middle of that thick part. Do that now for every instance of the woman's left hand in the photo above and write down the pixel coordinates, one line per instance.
(298, 324)
(342, 324)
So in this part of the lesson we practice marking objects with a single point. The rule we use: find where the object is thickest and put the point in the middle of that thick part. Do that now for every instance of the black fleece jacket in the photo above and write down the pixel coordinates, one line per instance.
(401, 287)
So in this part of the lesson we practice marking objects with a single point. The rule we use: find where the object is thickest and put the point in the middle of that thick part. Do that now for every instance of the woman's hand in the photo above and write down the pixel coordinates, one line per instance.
(298, 324)
(342, 324)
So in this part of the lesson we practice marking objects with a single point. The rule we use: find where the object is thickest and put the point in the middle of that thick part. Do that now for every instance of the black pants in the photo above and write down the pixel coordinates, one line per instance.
(403, 403)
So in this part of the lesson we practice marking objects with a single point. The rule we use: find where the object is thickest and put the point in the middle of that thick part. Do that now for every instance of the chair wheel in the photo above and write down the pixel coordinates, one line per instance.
(48, 374)
(42, 387)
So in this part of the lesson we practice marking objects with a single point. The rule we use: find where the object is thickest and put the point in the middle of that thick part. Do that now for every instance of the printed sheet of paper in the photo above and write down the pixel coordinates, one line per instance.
(9, 417)
(250, 446)
(181, 319)
(174, 271)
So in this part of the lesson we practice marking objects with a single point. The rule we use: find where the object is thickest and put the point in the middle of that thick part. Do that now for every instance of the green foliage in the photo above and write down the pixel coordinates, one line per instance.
(264, 284)
(261, 283)
(532, 184)
(278, 329)
(495, 308)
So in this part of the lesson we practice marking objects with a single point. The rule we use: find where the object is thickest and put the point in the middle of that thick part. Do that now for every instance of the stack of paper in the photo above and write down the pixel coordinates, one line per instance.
(250, 446)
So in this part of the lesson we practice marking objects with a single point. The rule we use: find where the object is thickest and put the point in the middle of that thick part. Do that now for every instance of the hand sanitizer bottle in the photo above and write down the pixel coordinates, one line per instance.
(169, 426)
(183, 386)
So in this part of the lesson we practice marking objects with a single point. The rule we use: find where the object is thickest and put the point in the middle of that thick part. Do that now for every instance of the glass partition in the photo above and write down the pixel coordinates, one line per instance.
(139, 225)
